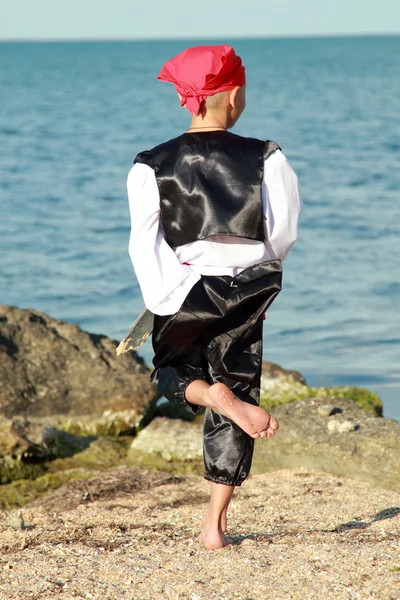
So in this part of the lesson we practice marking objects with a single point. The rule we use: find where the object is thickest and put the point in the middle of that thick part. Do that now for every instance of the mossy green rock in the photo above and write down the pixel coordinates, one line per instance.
(24, 482)
(11, 449)
(12, 469)
(19, 493)
(283, 386)
(34, 449)
(101, 453)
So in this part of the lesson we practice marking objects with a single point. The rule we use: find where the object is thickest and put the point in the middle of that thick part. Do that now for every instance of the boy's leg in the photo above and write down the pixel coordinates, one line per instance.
(212, 535)
(253, 420)
(181, 372)
(220, 369)
(228, 449)
(236, 363)
(232, 403)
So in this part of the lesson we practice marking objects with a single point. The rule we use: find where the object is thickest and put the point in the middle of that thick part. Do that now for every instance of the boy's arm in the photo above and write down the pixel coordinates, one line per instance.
(163, 280)
(282, 204)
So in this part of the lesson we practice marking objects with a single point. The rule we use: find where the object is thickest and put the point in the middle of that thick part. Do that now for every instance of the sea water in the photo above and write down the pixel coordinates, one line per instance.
(74, 115)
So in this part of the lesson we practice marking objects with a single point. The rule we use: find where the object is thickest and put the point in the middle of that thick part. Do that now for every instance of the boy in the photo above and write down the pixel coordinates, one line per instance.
(213, 215)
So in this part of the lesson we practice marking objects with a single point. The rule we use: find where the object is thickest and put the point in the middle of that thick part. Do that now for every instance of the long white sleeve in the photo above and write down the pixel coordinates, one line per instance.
(158, 270)
(163, 277)
(282, 204)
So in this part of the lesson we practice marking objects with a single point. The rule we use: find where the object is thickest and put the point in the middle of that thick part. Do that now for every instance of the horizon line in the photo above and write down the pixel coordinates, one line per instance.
(197, 37)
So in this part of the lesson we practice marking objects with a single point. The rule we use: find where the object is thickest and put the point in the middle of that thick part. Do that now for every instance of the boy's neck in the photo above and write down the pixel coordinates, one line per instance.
(209, 122)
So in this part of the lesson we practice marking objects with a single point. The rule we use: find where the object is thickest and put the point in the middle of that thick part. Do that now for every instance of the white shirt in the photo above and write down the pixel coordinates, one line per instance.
(163, 278)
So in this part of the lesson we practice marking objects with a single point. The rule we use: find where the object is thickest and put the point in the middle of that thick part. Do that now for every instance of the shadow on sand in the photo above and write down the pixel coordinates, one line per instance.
(387, 513)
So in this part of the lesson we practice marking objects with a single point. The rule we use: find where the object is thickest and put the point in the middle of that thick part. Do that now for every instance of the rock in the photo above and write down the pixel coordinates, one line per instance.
(99, 453)
(11, 450)
(272, 371)
(45, 442)
(28, 449)
(359, 445)
(370, 450)
(171, 440)
(49, 367)
(14, 469)
(279, 386)
(35, 448)
(326, 410)
(335, 426)
(8, 441)
(172, 410)
(123, 422)
(18, 493)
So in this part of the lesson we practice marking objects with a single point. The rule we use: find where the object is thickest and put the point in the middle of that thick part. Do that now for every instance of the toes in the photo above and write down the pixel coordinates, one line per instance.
(273, 424)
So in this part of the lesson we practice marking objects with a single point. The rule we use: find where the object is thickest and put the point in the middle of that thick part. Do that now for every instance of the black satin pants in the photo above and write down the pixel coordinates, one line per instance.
(216, 336)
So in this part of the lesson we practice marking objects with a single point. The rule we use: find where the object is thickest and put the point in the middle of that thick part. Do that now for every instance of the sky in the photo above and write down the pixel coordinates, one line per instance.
(154, 19)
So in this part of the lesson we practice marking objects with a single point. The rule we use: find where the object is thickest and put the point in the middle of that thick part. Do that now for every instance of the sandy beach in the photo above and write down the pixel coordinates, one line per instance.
(131, 533)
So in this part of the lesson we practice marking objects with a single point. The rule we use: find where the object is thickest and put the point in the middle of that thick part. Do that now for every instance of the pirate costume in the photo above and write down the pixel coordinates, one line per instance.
(213, 215)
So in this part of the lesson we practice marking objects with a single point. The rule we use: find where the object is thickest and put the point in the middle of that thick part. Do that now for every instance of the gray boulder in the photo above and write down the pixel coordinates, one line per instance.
(172, 440)
(348, 441)
(49, 367)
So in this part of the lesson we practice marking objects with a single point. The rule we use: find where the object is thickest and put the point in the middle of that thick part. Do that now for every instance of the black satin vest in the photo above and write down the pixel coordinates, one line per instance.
(210, 184)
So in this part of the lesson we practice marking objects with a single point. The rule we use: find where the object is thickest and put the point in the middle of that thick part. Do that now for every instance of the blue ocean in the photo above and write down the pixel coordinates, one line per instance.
(74, 115)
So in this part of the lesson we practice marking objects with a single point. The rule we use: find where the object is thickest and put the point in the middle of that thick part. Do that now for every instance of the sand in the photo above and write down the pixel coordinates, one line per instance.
(129, 533)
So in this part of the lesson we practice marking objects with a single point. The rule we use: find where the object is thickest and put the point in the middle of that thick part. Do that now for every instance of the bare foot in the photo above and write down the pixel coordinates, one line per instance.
(255, 421)
(212, 534)
(213, 539)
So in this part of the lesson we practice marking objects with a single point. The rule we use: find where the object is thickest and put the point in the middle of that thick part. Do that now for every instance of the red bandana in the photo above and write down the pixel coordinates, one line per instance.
(203, 71)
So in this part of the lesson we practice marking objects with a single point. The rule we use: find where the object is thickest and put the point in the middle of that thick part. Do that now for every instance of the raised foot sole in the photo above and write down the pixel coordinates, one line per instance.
(255, 421)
